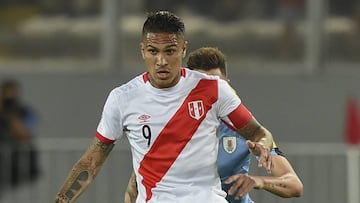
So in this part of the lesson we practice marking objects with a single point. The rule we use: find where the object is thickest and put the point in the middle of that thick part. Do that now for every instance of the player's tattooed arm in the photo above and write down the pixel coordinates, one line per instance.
(260, 142)
(255, 132)
(84, 171)
(132, 190)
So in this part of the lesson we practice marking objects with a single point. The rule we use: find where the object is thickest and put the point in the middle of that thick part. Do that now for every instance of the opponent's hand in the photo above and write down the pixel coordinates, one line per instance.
(262, 152)
(242, 184)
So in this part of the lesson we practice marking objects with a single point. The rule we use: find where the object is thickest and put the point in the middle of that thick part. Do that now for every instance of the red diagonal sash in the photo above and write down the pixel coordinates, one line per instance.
(175, 135)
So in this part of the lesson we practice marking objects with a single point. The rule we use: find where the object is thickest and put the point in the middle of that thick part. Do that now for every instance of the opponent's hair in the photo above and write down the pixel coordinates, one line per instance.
(163, 22)
(207, 58)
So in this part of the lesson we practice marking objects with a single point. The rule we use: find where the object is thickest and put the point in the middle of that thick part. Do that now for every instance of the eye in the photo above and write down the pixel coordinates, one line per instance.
(170, 51)
(152, 51)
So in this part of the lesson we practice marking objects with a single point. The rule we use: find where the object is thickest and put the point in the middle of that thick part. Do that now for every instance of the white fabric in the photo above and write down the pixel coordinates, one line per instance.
(193, 174)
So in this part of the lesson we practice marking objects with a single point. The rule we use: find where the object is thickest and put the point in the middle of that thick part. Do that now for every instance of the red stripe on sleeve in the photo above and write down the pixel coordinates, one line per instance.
(176, 134)
(103, 139)
(240, 116)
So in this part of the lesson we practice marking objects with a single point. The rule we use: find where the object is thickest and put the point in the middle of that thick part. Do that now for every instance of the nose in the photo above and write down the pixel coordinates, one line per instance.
(161, 60)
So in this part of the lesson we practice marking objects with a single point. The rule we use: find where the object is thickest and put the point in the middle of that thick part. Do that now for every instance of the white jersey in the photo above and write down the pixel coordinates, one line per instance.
(172, 133)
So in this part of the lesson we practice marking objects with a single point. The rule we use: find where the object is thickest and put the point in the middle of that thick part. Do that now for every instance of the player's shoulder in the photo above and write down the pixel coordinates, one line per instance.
(197, 75)
(202, 76)
(124, 91)
(130, 86)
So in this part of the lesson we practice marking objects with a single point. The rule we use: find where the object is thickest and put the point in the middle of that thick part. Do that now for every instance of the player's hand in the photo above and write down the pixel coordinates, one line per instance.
(262, 152)
(242, 184)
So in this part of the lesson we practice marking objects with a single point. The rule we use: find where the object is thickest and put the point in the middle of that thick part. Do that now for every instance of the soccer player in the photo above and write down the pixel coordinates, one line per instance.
(170, 116)
(234, 155)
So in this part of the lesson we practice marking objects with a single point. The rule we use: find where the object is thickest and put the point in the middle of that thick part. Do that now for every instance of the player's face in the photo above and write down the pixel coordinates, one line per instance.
(163, 54)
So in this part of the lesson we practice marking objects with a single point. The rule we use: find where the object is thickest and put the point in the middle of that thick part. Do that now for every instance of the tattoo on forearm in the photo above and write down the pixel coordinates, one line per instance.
(104, 147)
(249, 130)
(277, 185)
(85, 170)
(77, 184)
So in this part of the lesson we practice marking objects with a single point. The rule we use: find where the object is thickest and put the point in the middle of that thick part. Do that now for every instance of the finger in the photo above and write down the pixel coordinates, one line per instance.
(251, 145)
(230, 179)
(269, 164)
(236, 186)
(265, 160)
(241, 191)
(254, 148)
(237, 183)
(245, 188)
(262, 160)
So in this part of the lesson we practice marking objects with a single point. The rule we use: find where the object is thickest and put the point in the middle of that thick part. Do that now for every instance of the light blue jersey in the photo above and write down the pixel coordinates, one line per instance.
(233, 158)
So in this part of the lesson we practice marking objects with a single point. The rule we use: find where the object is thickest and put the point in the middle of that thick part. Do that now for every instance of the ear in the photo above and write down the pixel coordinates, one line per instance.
(142, 49)
(184, 53)
(184, 49)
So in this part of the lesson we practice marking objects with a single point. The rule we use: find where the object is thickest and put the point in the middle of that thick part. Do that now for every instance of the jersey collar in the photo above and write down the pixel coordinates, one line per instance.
(146, 75)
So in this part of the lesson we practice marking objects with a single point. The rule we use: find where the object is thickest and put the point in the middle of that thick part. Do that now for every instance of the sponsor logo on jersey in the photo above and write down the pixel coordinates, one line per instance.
(196, 109)
(229, 144)
(144, 118)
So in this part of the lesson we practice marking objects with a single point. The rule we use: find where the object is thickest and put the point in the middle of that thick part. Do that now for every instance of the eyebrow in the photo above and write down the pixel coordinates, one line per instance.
(169, 46)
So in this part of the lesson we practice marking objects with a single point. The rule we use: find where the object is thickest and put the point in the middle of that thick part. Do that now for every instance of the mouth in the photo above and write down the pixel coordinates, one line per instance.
(162, 74)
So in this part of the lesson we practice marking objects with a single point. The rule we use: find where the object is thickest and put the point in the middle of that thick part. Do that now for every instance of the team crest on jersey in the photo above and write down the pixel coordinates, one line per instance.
(144, 118)
(229, 144)
(196, 109)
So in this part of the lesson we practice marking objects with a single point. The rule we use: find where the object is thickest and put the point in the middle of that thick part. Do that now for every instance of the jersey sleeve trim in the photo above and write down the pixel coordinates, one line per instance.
(240, 116)
(104, 139)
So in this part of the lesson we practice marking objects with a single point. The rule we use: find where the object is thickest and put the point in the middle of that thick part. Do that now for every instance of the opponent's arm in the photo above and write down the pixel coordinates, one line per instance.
(84, 171)
(284, 182)
(131, 191)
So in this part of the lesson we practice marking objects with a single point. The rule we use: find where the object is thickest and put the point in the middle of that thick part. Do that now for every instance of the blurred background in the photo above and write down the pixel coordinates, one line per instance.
(294, 63)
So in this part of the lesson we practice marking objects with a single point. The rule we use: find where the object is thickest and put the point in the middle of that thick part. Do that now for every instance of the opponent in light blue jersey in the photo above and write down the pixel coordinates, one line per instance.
(233, 158)
(234, 155)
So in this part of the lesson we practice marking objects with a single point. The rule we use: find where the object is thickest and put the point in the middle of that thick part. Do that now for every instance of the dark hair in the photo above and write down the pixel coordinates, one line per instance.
(163, 22)
(207, 58)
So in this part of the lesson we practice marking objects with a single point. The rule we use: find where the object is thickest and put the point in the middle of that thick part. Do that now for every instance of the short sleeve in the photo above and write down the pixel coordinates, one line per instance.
(228, 99)
(110, 127)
